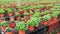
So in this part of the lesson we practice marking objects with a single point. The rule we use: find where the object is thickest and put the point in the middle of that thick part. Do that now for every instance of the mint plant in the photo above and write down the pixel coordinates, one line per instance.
(21, 26)
(9, 10)
(46, 17)
(4, 23)
(2, 11)
(37, 14)
(33, 21)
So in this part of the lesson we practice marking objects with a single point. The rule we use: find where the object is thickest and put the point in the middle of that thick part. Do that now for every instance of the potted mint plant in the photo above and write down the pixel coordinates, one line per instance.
(2, 12)
(9, 11)
(12, 24)
(21, 27)
(9, 31)
(54, 15)
(30, 14)
(31, 8)
(26, 16)
(17, 16)
(4, 25)
(37, 14)
(46, 19)
(32, 23)
(47, 12)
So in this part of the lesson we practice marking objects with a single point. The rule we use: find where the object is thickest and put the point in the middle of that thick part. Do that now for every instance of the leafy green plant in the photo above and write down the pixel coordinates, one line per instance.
(9, 10)
(31, 7)
(2, 11)
(4, 23)
(39, 6)
(21, 26)
(55, 13)
(47, 12)
(46, 17)
(9, 29)
(33, 21)
(24, 8)
(37, 14)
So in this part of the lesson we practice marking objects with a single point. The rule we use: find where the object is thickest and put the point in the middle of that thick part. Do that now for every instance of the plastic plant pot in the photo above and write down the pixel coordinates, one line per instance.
(21, 32)
(2, 12)
(21, 27)
(9, 11)
(31, 28)
(3, 25)
(3, 28)
(21, 11)
(12, 24)
(54, 17)
(47, 19)
(46, 22)
(30, 14)
(9, 14)
(26, 16)
(17, 16)
(28, 10)
(9, 31)
(32, 23)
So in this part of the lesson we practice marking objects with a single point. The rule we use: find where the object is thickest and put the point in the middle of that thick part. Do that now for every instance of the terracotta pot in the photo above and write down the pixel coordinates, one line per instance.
(54, 19)
(9, 33)
(18, 18)
(26, 18)
(2, 15)
(46, 22)
(12, 25)
(22, 12)
(31, 28)
(3, 28)
(30, 15)
(21, 32)
(9, 14)
(28, 10)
